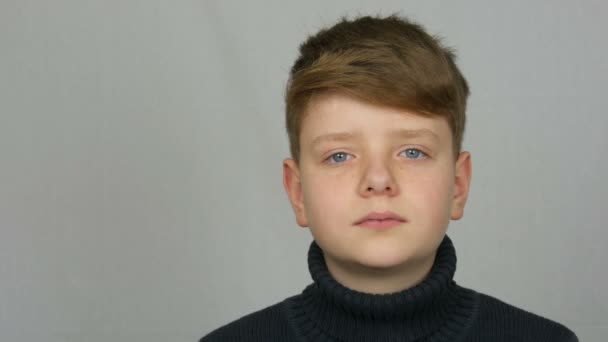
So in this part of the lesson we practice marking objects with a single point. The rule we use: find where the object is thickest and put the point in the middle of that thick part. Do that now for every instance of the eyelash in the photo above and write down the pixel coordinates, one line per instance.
(407, 149)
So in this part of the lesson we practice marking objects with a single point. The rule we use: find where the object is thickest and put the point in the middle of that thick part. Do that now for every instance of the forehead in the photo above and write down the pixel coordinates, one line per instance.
(337, 117)
(422, 133)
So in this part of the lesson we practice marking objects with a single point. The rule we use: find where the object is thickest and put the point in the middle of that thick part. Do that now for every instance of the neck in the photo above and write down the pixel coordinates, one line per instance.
(427, 305)
(376, 280)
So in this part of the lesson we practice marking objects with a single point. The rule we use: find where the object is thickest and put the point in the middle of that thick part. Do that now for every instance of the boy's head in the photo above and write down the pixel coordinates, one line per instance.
(375, 114)
(386, 61)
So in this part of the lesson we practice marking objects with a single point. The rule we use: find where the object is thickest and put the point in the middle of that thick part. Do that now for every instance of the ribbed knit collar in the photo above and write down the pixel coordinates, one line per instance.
(437, 309)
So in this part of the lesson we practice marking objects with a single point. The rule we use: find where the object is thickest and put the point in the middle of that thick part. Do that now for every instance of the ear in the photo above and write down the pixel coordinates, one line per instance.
(293, 187)
(462, 184)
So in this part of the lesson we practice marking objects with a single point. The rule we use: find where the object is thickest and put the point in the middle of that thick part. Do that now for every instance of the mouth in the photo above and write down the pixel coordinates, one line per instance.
(380, 224)
(381, 220)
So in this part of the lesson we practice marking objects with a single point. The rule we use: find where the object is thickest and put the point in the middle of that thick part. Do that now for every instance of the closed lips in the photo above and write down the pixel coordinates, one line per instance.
(380, 216)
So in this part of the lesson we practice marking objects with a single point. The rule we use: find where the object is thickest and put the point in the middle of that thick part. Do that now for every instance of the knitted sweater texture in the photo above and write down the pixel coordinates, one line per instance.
(437, 309)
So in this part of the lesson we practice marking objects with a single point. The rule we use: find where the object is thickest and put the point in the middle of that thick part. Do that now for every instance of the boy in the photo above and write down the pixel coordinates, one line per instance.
(375, 111)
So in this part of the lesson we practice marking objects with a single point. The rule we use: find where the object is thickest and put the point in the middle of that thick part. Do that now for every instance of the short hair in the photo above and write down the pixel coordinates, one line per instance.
(388, 61)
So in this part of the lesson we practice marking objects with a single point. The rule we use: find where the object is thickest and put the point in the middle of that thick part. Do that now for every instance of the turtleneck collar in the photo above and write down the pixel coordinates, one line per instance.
(436, 309)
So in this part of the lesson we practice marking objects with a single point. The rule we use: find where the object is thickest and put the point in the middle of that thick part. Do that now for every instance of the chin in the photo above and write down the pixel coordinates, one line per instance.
(383, 259)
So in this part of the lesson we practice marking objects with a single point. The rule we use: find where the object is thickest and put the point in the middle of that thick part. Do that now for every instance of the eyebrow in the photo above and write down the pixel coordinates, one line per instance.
(399, 133)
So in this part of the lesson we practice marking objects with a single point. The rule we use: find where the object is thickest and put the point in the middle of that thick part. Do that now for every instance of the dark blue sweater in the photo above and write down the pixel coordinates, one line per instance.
(437, 309)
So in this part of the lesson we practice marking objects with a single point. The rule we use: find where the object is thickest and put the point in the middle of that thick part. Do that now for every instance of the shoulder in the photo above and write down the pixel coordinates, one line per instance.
(269, 323)
(515, 324)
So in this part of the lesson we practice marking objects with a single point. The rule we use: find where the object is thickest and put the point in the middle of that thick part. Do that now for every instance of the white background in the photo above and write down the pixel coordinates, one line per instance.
(141, 144)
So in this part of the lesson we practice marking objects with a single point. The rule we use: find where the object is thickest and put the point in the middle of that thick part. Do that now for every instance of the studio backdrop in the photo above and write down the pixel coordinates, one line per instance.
(141, 149)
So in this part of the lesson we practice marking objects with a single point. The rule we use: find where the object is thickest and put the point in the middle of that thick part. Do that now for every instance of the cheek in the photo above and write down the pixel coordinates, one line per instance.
(432, 195)
(324, 187)
(325, 194)
(325, 197)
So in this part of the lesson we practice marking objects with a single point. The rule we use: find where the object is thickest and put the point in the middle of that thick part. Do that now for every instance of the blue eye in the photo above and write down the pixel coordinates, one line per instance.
(415, 154)
(339, 157)
(342, 158)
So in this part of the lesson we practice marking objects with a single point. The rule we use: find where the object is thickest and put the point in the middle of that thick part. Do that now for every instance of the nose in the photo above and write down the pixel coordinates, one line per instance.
(378, 179)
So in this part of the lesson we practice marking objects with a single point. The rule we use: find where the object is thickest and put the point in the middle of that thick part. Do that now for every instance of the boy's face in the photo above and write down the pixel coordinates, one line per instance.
(377, 169)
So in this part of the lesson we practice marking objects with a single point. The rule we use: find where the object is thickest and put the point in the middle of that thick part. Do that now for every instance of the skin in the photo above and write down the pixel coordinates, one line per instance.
(339, 182)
